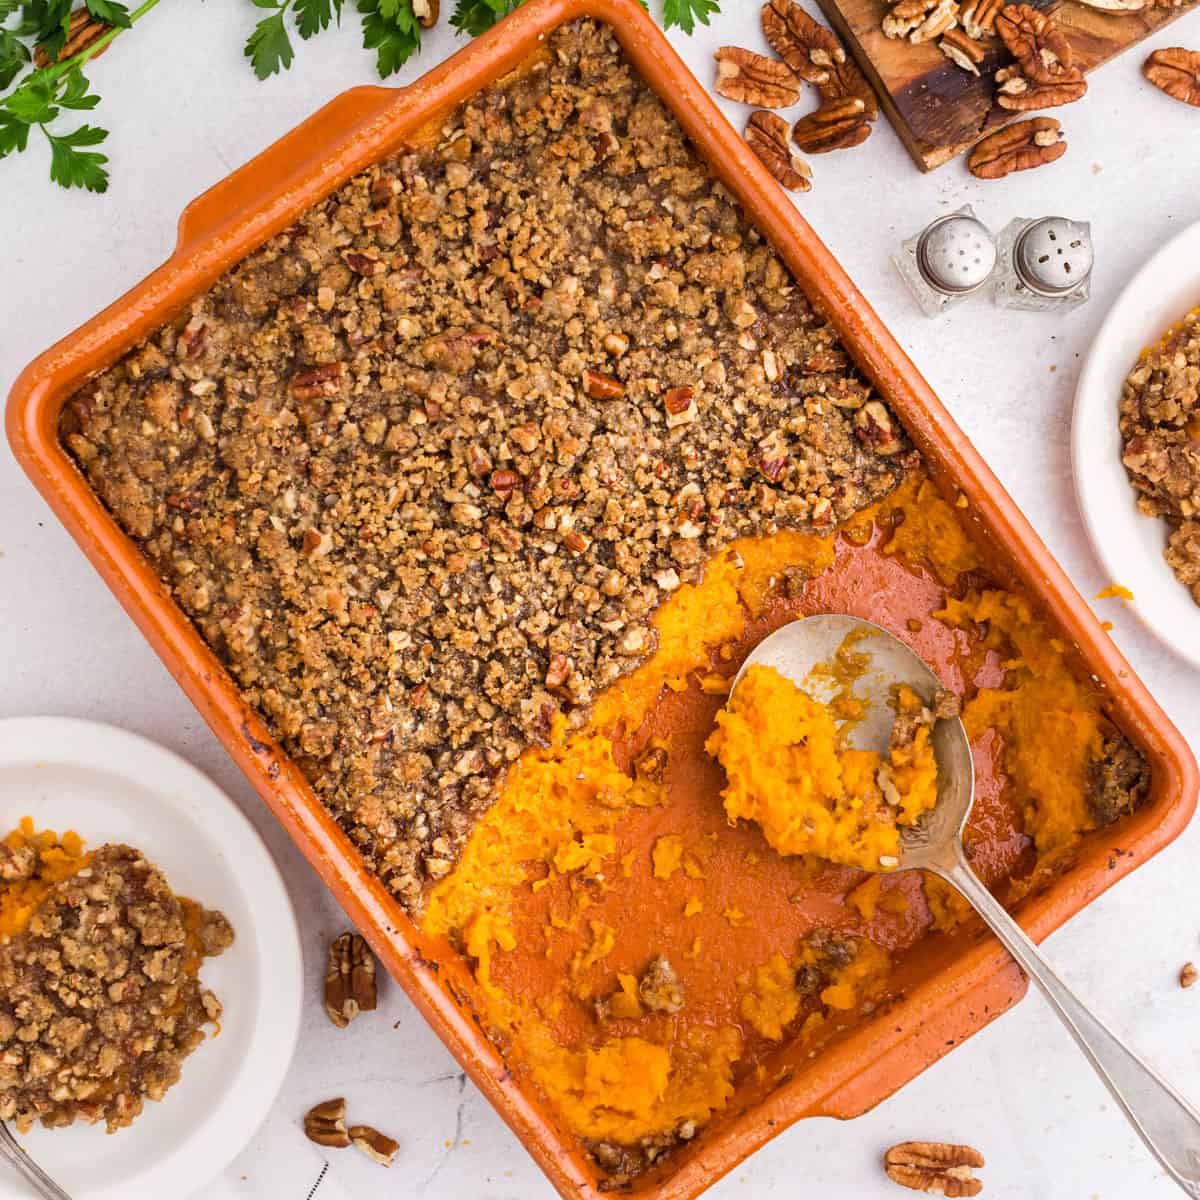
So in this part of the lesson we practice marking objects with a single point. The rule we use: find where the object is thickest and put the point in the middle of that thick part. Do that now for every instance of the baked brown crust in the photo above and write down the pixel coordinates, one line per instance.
(374, 465)
(100, 1001)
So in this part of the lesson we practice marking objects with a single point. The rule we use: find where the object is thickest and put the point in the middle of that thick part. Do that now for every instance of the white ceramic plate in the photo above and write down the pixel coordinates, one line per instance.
(1129, 544)
(113, 786)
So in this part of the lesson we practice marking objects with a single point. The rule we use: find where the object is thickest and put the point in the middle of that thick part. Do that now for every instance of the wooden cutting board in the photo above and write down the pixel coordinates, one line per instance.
(938, 109)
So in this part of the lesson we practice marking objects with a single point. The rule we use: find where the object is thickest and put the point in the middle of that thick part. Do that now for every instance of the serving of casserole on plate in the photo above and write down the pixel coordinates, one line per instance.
(455, 474)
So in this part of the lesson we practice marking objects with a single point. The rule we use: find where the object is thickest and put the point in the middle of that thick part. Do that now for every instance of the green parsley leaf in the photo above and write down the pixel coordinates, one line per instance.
(392, 31)
(110, 12)
(32, 101)
(14, 54)
(14, 134)
(315, 15)
(477, 16)
(269, 48)
(685, 13)
(72, 167)
(75, 94)
(8, 7)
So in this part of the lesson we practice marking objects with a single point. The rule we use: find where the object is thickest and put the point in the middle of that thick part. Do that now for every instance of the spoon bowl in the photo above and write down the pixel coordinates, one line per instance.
(801, 652)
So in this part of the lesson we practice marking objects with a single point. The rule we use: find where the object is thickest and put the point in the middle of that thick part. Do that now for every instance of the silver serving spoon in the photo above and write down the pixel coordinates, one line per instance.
(10, 1149)
(1166, 1122)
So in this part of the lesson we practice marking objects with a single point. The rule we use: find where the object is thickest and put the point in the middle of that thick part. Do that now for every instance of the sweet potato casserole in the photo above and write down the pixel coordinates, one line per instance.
(100, 997)
(481, 480)
(1160, 431)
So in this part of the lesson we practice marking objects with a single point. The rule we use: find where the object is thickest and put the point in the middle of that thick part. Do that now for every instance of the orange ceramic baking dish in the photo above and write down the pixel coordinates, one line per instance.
(951, 986)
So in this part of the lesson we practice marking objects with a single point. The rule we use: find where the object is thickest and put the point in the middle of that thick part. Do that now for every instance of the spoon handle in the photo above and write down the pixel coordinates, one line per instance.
(10, 1149)
(1165, 1121)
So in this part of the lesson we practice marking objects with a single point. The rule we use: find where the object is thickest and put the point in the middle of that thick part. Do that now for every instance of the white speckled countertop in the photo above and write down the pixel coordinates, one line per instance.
(185, 110)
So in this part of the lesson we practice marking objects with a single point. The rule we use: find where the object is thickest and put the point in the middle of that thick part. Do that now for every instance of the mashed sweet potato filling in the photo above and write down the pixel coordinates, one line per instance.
(621, 841)
(790, 770)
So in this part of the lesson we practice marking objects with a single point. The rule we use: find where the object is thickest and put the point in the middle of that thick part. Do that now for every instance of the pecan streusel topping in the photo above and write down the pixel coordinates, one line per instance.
(422, 467)
(100, 1001)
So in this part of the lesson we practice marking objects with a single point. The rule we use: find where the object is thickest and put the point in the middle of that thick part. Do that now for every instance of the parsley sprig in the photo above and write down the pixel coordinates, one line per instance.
(390, 28)
(44, 93)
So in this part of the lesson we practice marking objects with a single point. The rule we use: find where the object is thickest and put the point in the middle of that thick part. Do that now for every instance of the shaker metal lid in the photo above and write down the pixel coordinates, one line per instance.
(956, 254)
(1054, 256)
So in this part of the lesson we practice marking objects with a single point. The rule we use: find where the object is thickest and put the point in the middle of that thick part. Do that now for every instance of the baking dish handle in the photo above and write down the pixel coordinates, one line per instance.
(347, 119)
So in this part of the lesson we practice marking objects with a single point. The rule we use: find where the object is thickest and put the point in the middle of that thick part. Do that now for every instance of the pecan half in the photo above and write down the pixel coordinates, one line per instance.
(920, 20)
(979, 17)
(962, 50)
(767, 135)
(83, 31)
(426, 12)
(1015, 93)
(1045, 74)
(814, 53)
(1036, 42)
(325, 1124)
(751, 78)
(837, 125)
(1175, 71)
(1017, 147)
(808, 48)
(936, 1168)
(349, 979)
(375, 1145)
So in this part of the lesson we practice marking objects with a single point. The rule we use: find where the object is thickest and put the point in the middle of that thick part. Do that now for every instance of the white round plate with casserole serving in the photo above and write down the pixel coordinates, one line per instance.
(1129, 544)
(113, 786)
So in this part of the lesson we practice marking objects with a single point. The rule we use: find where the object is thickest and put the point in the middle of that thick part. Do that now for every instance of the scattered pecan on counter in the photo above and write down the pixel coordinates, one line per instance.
(349, 979)
(1018, 147)
(837, 125)
(936, 1168)
(83, 30)
(767, 135)
(325, 1124)
(1188, 975)
(751, 78)
(1175, 71)
(1044, 75)
(375, 1145)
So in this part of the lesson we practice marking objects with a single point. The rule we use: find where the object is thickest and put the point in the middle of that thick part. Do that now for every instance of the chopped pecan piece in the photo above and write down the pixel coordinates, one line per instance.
(316, 382)
(979, 17)
(1018, 147)
(755, 79)
(962, 50)
(921, 20)
(875, 427)
(83, 30)
(936, 1168)
(1045, 74)
(680, 403)
(325, 1124)
(602, 387)
(349, 979)
(659, 988)
(375, 1145)
(767, 135)
(808, 48)
(1175, 71)
(1188, 975)
(837, 125)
